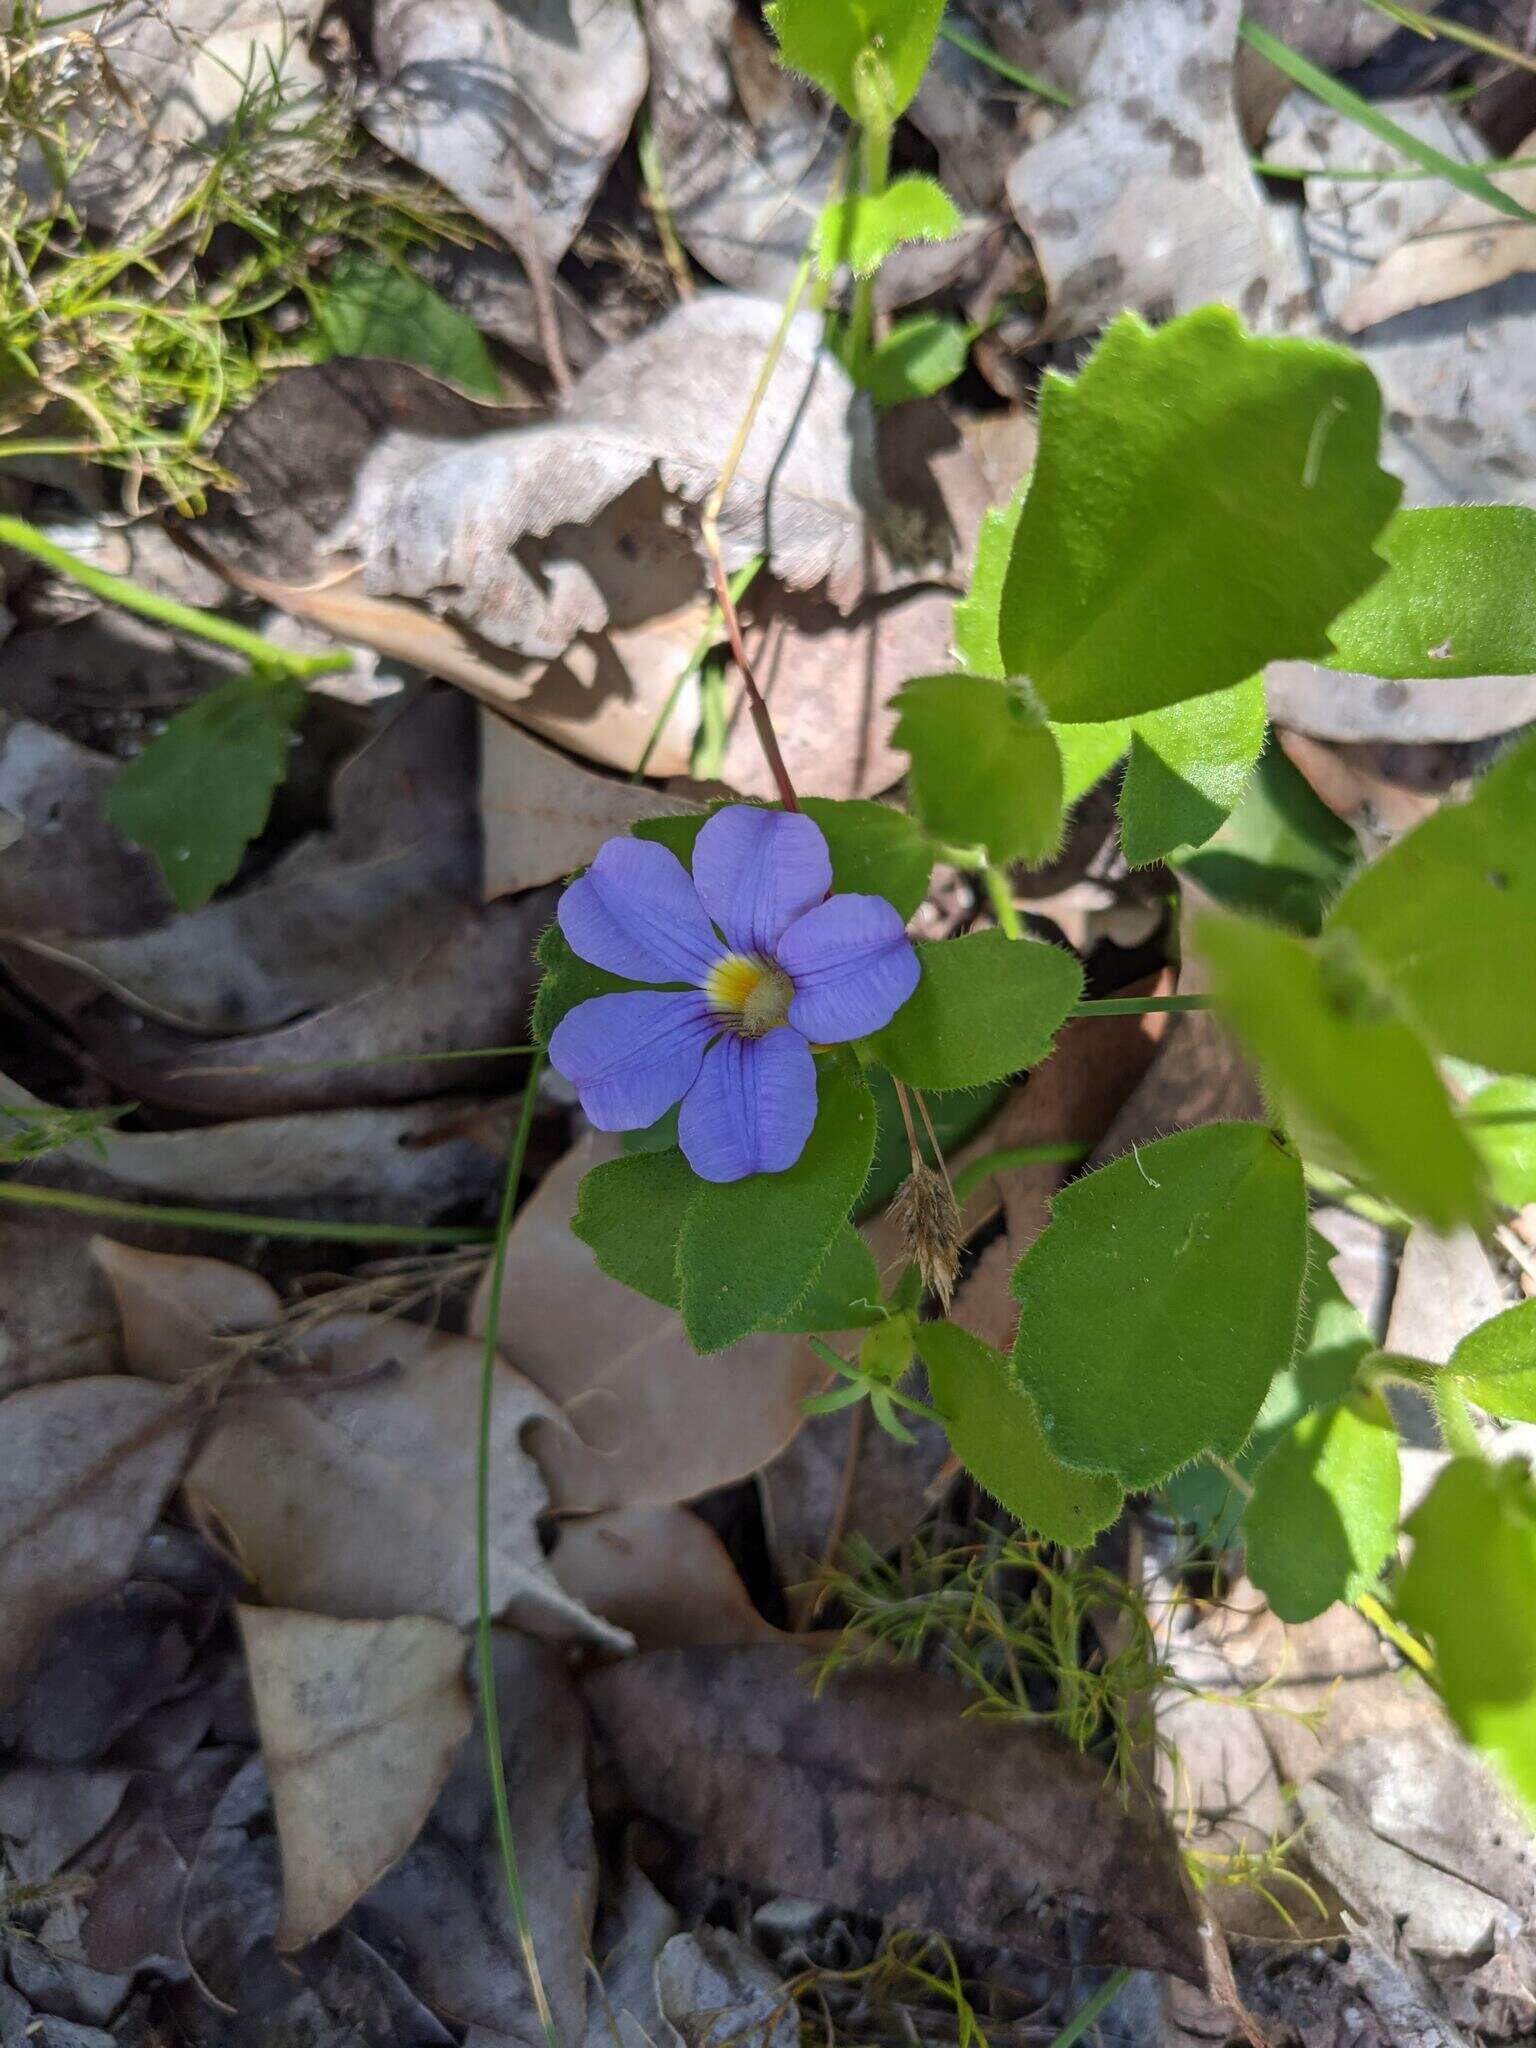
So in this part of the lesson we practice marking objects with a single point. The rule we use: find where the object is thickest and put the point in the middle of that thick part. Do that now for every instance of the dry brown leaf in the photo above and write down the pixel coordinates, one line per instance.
(1155, 113)
(715, 1990)
(56, 1316)
(359, 1724)
(349, 1499)
(89, 1465)
(647, 1422)
(1446, 1286)
(517, 111)
(1330, 704)
(659, 1573)
(503, 533)
(442, 1913)
(1468, 246)
(542, 816)
(880, 1794)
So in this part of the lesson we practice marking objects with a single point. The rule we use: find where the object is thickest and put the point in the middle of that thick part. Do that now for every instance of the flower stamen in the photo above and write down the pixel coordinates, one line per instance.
(752, 995)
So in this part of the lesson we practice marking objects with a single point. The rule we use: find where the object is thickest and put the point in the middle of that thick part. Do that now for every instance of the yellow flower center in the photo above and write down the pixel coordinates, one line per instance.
(754, 994)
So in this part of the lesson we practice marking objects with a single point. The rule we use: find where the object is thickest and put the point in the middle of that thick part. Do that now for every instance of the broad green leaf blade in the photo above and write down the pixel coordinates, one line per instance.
(996, 1434)
(1088, 752)
(985, 766)
(954, 1115)
(1189, 765)
(875, 850)
(1282, 854)
(862, 231)
(975, 618)
(1466, 177)
(751, 1249)
(1332, 1343)
(1470, 1586)
(845, 1295)
(567, 982)
(630, 1211)
(917, 358)
(368, 308)
(1496, 1364)
(1501, 1122)
(1458, 599)
(1162, 1300)
(825, 42)
(985, 1006)
(1323, 1518)
(1446, 918)
(1351, 1080)
(201, 790)
(1203, 502)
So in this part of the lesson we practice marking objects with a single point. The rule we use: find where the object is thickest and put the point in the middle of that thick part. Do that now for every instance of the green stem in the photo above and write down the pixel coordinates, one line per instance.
(875, 171)
(1004, 908)
(232, 1222)
(488, 1707)
(1083, 2019)
(738, 586)
(1333, 1187)
(1455, 1419)
(1388, 1625)
(165, 611)
(1030, 80)
(1008, 1157)
(1138, 1006)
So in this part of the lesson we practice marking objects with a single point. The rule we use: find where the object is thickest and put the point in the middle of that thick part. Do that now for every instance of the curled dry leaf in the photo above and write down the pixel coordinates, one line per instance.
(56, 1316)
(879, 1792)
(661, 1574)
(359, 1725)
(1156, 113)
(518, 111)
(460, 528)
(349, 1499)
(645, 1422)
(541, 815)
(90, 1463)
(715, 1989)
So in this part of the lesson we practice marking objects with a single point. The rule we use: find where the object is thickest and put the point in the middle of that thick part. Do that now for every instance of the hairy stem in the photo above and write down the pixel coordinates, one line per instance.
(1000, 893)
(874, 176)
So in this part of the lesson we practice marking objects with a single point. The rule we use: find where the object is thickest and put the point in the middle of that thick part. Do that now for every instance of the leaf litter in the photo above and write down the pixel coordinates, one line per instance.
(240, 1770)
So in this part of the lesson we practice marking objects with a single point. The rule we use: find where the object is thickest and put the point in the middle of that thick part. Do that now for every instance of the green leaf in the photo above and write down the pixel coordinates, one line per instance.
(1446, 917)
(863, 231)
(1088, 752)
(1496, 1364)
(1459, 597)
(975, 617)
(630, 1211)
(1365, 114)
(996, 1434)
(875, 850)
(1162, 1300)
(1189, 765)
(985, 1006)
(985, 766)
(567, 982)
(1282, 854)
(1470, 1586)
(1203, 502)
(368, 308)
(1323, 1518)
(1332, 1343)
(917, 358)
(954, 1115)
(845, 1295)
(1501, 1122)
(824, 42)
(750, 1249)
(201, 790)
(1351, 1080)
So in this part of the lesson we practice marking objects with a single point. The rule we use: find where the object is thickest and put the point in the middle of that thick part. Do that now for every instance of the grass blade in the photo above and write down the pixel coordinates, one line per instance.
(1030, 80)
(1466, 177)
(232, 1222)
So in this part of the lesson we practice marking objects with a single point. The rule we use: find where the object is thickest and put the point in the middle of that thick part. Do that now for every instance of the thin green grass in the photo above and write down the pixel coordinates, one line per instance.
(230, 1222)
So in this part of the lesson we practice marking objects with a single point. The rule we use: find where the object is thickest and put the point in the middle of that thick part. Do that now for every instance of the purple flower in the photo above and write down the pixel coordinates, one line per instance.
(794, 967)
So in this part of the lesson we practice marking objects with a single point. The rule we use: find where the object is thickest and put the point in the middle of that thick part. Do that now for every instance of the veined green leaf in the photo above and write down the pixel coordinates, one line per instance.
(1189, 765)
(985, 1006)
(1458, 599)
(1501, 1122)
(985, 767)
(863, 231)
(918, 357)
(1323, 1518)
(826, 44)
(367, 308)
(1282, 854)
(1496, 1364)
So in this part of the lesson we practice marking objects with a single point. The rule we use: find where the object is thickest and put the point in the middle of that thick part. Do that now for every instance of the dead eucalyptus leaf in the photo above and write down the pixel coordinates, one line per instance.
(881, 1792)
(542, 816)
(661, 1574)
(442, 1913)
(1446, 1286)
(56, 1316)
(459, 527)
(645, 1422)
(348, 1499)
(1155, 113)
(1468, 246)
(518, 111)
(90, 1463)
(360, 1722)
(66, 869)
